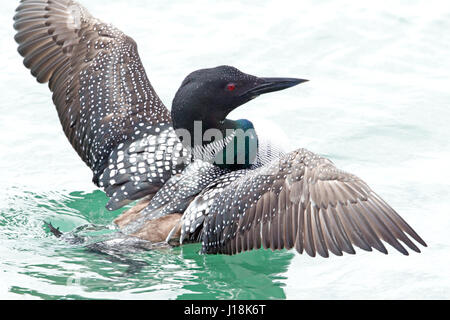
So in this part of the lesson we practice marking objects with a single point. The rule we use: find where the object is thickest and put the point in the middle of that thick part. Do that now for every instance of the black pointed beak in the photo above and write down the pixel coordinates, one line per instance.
(266, 85)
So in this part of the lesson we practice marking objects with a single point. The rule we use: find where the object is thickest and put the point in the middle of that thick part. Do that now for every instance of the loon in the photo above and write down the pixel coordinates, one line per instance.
(120, 128)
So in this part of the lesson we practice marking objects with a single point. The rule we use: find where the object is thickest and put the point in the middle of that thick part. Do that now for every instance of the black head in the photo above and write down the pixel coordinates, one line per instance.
(209, 95)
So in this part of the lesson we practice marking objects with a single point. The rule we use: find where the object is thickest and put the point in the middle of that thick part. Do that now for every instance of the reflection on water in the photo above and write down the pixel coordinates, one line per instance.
(170, 273)
(252, 275)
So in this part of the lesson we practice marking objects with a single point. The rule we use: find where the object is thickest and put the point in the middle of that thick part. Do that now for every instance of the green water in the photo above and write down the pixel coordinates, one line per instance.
(63, 271)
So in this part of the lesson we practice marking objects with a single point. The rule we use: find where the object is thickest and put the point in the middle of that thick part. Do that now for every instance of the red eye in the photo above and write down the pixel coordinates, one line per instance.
(231, 86)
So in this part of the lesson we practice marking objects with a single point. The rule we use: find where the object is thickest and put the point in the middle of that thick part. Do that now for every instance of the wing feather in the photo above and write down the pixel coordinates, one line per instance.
(304, 202)
(100, 88)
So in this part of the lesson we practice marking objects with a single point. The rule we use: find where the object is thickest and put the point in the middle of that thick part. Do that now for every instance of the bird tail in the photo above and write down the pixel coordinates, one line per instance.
(53, 230)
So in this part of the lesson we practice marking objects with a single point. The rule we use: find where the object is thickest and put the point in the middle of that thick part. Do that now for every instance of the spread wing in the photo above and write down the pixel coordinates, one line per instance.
(195, 214)
(100, 88)
(302, 201)
(101, 92)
